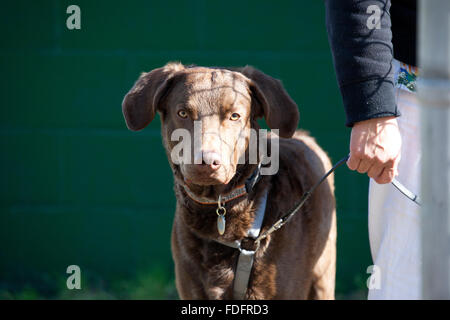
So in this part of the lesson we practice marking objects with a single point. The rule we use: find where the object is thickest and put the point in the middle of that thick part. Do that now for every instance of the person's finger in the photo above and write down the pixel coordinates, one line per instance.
(375, 170)
(364, 166)
(353, 162)
(386, 176)
(381, 179)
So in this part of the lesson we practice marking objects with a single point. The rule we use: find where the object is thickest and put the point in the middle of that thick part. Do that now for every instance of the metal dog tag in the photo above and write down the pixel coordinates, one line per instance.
(221, 224)
(221, 212)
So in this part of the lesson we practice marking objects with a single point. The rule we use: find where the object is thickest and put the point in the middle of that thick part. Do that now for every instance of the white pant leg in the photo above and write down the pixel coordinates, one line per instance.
(394, 224)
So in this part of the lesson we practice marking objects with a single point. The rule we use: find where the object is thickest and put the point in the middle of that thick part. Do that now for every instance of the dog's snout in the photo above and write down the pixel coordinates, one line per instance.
(212, 159)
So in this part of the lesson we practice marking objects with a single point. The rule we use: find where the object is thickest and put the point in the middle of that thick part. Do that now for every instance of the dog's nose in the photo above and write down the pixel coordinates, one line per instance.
(212, 159)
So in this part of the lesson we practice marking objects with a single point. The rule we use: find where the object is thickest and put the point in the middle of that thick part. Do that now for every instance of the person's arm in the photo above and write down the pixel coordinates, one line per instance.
(359, 34)
(362, 56)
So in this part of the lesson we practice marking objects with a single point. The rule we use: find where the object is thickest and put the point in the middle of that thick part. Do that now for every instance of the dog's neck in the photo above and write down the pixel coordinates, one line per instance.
(194, 191)
(202, 219)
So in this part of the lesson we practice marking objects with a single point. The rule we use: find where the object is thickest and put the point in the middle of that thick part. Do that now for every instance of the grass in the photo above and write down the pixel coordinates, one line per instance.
(157, 283)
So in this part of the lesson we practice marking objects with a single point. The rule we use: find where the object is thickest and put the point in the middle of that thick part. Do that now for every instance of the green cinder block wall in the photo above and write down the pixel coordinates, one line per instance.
(78, 188)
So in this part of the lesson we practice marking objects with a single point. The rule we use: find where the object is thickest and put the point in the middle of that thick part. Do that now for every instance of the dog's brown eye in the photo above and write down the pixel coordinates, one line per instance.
(235, 116)
(183, 114)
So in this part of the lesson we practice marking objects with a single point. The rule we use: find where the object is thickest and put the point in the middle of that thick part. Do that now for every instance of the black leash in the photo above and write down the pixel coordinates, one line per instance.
(283, 220)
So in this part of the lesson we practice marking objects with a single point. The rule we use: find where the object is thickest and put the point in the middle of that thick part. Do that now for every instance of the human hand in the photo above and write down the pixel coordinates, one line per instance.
(375, 148)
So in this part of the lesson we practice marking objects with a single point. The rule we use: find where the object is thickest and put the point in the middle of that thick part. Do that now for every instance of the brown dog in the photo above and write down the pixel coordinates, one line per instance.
(295, 262)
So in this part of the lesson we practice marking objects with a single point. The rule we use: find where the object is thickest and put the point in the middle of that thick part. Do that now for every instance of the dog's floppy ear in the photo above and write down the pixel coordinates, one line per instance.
(141, 102)
(279, 110)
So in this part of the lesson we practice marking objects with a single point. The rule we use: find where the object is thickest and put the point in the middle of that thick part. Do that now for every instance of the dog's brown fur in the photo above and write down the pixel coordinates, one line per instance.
(295, 262)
